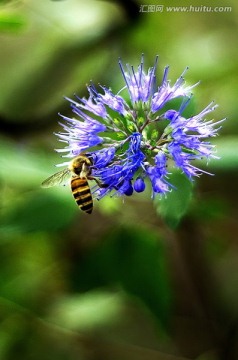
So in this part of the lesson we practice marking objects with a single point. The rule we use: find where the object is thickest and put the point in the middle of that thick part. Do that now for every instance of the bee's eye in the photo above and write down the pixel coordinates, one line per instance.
(77, 171)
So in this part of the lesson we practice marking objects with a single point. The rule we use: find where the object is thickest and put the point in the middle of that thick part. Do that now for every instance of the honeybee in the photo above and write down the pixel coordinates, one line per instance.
(80, 171)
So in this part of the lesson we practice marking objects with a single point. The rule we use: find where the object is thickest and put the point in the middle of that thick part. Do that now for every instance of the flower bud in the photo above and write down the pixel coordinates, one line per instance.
(139, 185)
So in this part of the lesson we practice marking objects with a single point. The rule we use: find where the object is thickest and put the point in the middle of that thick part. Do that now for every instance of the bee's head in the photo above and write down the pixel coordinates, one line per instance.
(81, 165)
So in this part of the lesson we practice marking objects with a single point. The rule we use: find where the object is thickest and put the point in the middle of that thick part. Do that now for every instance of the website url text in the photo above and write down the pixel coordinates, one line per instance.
(191, 8)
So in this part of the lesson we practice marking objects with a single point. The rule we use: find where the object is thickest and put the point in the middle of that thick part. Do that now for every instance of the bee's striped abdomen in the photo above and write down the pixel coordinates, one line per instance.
(82, 194)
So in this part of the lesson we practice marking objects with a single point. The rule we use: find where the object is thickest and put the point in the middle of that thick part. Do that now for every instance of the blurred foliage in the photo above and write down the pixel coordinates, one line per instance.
(120, 259)
(137, 279)
(11, 22)
(174, 205)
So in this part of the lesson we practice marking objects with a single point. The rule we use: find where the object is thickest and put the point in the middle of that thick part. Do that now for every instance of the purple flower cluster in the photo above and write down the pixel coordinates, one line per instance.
(131, 141)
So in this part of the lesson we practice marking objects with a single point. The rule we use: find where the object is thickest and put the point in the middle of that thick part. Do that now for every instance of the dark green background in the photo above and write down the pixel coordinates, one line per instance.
(136, 279)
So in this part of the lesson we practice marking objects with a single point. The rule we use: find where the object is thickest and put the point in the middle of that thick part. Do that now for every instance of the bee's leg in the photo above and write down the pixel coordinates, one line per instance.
(99, 183)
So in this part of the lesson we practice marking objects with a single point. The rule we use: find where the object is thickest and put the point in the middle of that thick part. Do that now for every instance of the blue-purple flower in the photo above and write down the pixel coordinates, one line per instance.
(136, 140)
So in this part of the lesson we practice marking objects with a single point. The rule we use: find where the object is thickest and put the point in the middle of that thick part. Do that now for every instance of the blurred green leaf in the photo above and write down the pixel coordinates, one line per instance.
(210, 209)
(10, 22)
(30, 166)
(87, 311)
(56, 56)
(133, 258)
(30, 269)
(227, 150)
(40, 211)
(174, 205)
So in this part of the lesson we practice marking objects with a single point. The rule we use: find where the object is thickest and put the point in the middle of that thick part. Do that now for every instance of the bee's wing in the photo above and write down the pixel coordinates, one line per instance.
(60, 178)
